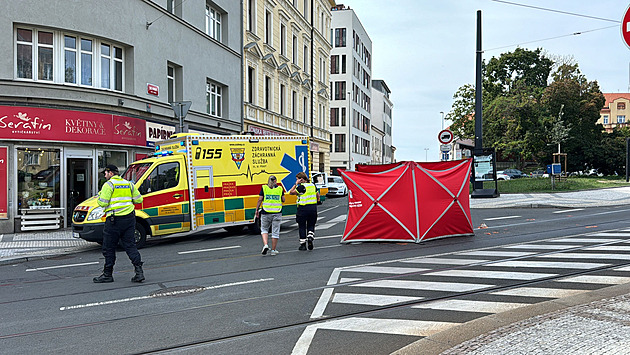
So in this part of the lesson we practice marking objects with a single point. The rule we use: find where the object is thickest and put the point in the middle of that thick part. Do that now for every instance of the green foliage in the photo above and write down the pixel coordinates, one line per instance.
(530, 185)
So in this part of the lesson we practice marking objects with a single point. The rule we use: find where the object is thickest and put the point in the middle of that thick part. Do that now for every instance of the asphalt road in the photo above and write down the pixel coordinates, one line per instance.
(216, 294)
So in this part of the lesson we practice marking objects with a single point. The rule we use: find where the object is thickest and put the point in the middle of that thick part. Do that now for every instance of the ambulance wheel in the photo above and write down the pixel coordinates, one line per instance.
(140, 235)
(234, 229)
(254, 228)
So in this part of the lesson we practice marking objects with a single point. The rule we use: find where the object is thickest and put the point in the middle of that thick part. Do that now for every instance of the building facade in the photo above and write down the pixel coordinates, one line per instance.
(286, 53)
(350, 91)
(91, 86)
(616, 111)
(382, 149)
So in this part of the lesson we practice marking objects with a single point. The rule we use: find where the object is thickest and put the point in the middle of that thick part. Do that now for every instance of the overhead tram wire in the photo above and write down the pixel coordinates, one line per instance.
(557, 11)
(550, 38)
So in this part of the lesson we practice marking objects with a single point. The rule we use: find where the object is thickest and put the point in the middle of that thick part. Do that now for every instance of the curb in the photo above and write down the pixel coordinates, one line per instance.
(454, 336)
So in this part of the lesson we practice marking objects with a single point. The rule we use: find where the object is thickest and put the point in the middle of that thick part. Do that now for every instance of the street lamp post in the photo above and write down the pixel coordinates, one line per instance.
(426, 154)
(442, 112)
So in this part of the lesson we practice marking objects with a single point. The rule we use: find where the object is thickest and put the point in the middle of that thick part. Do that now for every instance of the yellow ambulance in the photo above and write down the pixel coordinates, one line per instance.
(195, 182)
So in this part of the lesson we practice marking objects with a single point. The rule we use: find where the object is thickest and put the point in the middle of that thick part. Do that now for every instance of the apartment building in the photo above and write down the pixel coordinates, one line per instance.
(616, 111)
(350, 90)
(382, 149)
(87, 84)
(286, 53)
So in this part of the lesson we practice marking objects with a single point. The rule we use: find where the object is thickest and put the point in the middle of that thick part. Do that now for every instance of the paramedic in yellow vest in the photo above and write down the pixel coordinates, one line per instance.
(271, 199)
(307, 197)
(117, 197)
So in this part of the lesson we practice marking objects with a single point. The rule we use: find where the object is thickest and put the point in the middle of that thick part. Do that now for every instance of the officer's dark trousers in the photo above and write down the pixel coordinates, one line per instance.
(306, 218)
(121, 229)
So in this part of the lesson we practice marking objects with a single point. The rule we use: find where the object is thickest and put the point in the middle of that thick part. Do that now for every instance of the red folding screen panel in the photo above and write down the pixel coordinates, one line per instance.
(408, 201)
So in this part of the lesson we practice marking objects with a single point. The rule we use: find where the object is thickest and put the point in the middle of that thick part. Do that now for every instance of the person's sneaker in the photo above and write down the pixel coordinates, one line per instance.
(265, 250)
(310, 242)
(273, 252)
(302, 246)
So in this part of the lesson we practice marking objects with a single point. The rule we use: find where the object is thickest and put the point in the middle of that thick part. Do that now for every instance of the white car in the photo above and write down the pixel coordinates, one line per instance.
(502, 176)
(336, 186)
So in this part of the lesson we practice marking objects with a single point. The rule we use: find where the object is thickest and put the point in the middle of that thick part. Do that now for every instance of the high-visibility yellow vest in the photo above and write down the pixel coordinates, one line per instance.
(309, 197)
(118, 196)
(272, 201)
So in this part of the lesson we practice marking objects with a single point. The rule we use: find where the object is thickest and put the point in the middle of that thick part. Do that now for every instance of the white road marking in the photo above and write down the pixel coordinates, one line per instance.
(174, 293)
(387, 326)
(611, 248)
(62, 266)
(548, 264)
(583, 240)
(542, 246)
(573, 210)
(322, 302)
(539, 292)
(371, 299)
(498, 218)
(472, 306)
(495, 253)
(385, 269)
(592, 279)
(424, 285)
(611, 234)
(625, 268)
(349, 279)
(425, 260)
(205, 250)
(485, 274)
(587, 256)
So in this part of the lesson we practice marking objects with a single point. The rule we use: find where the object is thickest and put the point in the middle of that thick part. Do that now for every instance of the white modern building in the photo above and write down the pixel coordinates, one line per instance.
(382, 149)
(350, 90)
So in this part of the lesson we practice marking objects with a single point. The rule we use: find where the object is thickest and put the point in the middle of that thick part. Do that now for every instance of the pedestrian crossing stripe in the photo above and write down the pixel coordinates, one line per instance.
(447, 261)
(371, 299)
(485, 274)
(471, 306)
(387, 326)
(424, 285)
(542, 246)
(594, 279)
(547, 264)
(510, 254)
(587, 256)
(583, 240)
(386, 269)
(539, 292)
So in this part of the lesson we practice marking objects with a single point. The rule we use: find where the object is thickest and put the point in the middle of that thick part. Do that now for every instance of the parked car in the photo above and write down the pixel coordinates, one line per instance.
(512, 173)
(538, 173)
(336, 186)
(502, 176)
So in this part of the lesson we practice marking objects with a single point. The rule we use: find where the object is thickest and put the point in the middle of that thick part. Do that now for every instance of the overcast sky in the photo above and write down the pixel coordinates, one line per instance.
(425, 50)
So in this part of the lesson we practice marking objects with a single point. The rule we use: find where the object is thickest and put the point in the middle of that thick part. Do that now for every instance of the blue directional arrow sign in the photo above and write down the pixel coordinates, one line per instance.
(295, 165)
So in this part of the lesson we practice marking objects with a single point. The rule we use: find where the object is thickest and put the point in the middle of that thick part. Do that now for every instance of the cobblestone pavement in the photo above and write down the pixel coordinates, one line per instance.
(22, 246)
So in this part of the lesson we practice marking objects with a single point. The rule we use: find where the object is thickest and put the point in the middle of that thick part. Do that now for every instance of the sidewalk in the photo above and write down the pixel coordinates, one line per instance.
(21, 247)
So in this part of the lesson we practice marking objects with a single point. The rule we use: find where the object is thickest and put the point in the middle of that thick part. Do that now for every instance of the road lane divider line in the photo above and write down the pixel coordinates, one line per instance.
(61, 266)
(205, 250)
(173, 293)
(498, 218)
(565, 211)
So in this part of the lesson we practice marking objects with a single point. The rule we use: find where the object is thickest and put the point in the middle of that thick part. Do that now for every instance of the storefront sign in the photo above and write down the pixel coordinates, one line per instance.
(42, 124)
(4, 183)
(158, 132)
(259, 131)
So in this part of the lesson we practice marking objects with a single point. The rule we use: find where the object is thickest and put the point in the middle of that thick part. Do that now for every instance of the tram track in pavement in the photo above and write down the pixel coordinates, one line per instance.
(372, 311)
(447, 242)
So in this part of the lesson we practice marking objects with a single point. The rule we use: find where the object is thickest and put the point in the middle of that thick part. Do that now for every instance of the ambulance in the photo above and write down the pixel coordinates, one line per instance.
(194, 182)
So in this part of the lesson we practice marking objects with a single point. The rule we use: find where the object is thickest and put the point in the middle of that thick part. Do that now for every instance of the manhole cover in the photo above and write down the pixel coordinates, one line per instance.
(177, 291)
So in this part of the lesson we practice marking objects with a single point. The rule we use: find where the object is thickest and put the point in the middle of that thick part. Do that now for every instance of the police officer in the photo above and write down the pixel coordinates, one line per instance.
(306, 216)
(118, 197)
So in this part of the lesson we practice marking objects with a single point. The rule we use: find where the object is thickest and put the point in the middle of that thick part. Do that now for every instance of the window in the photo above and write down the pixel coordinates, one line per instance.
(343, 116)
(621, 106)
(334, 116)
(267, 93)
(213, 23)
(322, 69)
(305, 59)
(605, 119)
(294, 107)
(268, 27)
(283, 40)
(343, 64)
(170, 78)
(282, 99)
(340, 143)
(340, 37)
(170, 6)
(305, 108)
(295, 50)
(163, 177)
(68, 59)
(214, 98)
(340, 90)
(306, 9)
(251, 86)
(621, 119)
(334, 64)
(251, 16)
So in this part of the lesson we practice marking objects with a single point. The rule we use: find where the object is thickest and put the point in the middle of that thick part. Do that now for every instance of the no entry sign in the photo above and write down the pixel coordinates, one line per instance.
(625, 27)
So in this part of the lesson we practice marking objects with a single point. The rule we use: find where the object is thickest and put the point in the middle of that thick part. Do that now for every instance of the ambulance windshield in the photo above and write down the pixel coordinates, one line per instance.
(135, 171)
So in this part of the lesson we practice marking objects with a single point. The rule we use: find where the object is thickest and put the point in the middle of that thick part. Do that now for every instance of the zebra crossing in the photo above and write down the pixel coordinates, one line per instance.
(513, 276)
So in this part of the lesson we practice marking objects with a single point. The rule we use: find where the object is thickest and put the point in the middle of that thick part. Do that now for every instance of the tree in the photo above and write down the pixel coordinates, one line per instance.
(462, 112)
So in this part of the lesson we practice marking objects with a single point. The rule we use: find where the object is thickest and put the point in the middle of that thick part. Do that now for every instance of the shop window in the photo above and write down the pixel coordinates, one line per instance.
(107, 157)
(39, 177)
